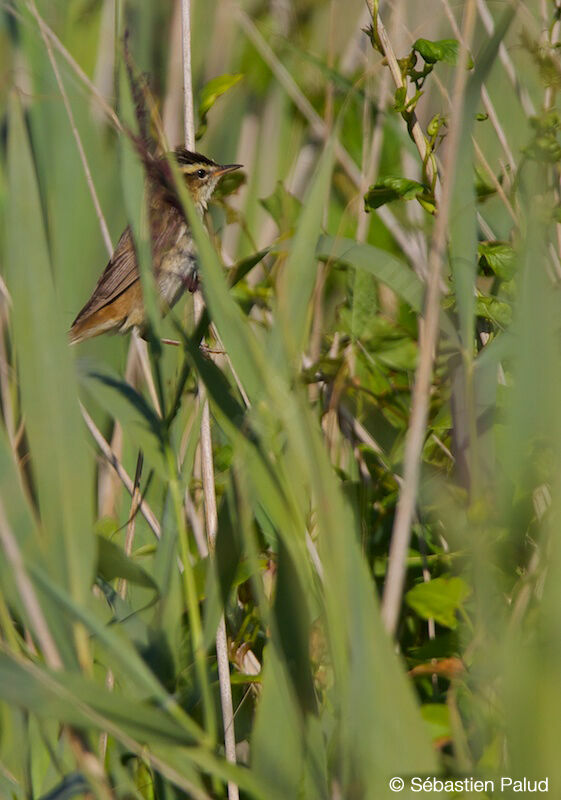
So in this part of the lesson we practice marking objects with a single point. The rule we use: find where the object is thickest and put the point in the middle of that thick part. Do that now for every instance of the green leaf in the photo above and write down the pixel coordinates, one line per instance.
(114, 563)
(386, 268)
(400, 98)
(210, 93)
(498, 256)
(437, 122)
(437, 717)
(74, 785)
(439, 599)
(494, 310)
(441, 50)
(483, 188)
(501, 347)
(389, 189)
(283, 207)
(239, 270)
(399, 355)
(545, 149)
(383, 265)
(214, 89)
(365, 303)
(228, 185)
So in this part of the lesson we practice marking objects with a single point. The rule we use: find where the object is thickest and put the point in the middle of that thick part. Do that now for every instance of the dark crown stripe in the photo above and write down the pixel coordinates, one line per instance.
(187, 157)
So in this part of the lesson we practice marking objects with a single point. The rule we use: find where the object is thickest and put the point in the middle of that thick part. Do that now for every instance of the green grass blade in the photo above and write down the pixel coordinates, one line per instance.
(463, 224)
(70, 697)
(124, 658)
(61, 469)
(278, 734)
(375, 740)
(297, 280)
(129, 407)
(243, 348)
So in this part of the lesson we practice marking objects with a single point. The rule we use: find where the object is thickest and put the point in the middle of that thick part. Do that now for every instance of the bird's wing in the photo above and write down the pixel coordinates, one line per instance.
(122, 270)
(120, 273)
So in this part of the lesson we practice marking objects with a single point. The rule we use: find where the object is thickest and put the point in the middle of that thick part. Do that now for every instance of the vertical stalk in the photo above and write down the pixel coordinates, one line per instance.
(209, 490)
(188, 113)
(401, 531)
(191, 598)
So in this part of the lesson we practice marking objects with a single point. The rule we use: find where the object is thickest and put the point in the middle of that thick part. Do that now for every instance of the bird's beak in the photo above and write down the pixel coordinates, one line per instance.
(225, 168)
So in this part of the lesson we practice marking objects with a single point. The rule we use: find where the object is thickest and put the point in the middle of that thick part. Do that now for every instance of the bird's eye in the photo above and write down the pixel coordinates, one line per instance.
(201, 173)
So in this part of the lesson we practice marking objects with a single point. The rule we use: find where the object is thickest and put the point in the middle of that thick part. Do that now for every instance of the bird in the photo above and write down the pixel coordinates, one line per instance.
(116, 303)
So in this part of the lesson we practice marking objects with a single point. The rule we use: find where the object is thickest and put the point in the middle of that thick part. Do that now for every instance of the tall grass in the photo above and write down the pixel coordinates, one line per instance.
(385, 454)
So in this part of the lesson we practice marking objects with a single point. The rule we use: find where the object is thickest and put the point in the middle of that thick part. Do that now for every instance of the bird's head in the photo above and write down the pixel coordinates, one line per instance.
(201, 174)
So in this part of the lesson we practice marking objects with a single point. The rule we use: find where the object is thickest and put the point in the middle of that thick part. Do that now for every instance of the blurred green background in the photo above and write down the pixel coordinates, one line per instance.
(108, 613)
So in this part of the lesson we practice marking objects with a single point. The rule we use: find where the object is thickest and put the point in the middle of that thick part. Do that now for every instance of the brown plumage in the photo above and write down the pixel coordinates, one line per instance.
(116, 302)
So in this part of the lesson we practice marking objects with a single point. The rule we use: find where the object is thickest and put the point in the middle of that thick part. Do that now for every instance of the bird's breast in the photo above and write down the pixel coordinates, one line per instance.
(179, 268)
